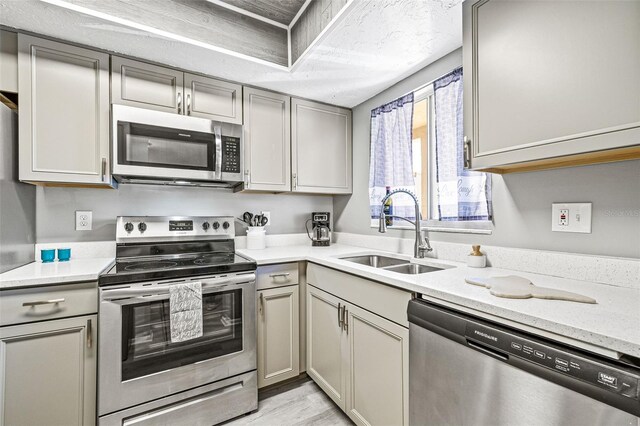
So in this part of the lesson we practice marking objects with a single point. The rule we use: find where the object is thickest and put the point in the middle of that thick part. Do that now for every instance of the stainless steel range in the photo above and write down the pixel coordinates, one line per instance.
(144, 376)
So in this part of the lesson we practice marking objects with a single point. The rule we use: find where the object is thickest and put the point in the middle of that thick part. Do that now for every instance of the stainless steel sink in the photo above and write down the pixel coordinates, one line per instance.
(413, 269)
(376, 261)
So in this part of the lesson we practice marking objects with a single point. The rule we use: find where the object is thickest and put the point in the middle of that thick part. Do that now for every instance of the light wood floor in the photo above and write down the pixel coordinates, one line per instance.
(300, 402)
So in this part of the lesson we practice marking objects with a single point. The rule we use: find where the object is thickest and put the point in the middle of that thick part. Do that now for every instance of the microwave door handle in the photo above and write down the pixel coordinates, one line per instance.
(218, 166)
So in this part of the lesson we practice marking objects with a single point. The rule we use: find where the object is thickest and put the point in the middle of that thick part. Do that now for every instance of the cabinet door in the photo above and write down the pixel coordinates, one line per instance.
(550, 79)
(64, 113)
(321, 148)
(267, 140)
(48, 373)
(148, 86)
(326, 345)
(213, 99)
(278, 335)
(378, 382)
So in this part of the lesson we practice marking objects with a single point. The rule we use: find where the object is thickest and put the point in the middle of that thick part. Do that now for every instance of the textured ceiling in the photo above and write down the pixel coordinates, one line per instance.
(374, 45)
(282, 11)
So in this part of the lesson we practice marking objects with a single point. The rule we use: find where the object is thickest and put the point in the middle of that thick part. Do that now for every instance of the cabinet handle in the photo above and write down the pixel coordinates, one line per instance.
(43, 302)
(281, 274)
(179, 103)
(104, 169)
(345, 320)
(262, 303)
(295, 181)
(188, 104)
(339, 315)
(467, 152)
(89, 334)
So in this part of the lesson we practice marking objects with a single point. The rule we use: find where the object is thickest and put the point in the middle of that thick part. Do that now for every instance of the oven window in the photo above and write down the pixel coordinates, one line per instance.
(146, 334)
(153, 146)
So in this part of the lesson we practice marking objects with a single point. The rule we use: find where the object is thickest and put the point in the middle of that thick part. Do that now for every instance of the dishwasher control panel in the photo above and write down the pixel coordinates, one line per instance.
(597, 373)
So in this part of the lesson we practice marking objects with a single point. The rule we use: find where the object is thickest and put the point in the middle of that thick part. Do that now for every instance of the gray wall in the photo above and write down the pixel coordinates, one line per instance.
(56, 208)
(522, 202)
(17, 200)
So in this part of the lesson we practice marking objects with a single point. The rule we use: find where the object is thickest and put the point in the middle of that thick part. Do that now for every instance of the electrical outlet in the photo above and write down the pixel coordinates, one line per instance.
(571, 217)
(84, 220)
(563, 220)
(268, 216)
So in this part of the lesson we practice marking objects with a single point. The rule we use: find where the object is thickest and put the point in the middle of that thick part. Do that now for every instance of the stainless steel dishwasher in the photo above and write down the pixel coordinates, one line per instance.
(468, 371)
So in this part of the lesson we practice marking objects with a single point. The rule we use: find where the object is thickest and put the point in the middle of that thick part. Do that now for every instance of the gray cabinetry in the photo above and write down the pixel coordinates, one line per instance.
(278, 320)
(213, 99)
(8, 61)
(320, 148)
(165, 89)
(64, 113)
(147, 86)
(267, 140)
(547, 80)
(48, 362)
(359, 357)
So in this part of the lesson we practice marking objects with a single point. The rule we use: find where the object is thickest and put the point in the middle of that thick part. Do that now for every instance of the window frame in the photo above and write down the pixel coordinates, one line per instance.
(433, 225)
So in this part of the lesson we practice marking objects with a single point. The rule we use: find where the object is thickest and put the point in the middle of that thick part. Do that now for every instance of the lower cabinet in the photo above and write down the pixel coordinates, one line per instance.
(48, 373)
(359, 359)
(278, 335)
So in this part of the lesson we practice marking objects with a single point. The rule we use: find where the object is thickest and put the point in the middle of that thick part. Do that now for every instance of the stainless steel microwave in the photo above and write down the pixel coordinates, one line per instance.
(151, 146)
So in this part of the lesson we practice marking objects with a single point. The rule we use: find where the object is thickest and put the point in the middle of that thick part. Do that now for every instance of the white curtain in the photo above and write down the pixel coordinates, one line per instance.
(391, 161)
(461, 194)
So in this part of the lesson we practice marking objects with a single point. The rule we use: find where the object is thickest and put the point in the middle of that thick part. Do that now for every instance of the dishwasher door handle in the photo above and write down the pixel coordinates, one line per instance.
(487, 350)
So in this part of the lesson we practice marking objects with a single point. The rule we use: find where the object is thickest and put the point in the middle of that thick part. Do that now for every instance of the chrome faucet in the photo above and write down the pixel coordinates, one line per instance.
(421, 246)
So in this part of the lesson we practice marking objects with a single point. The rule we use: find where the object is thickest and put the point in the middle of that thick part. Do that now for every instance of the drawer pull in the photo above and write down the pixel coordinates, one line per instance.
(43, 302)
(89, 334)
(282, 274)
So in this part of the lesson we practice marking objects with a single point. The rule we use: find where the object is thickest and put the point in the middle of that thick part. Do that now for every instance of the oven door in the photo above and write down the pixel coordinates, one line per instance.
(139, 363)
(151, 144)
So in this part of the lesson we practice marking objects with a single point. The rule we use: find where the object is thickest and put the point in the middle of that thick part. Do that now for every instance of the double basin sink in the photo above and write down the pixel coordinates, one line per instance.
(401, 266)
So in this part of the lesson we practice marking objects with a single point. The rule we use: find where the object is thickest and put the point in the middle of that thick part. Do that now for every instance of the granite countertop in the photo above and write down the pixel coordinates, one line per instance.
(613, 323)
(38, 273)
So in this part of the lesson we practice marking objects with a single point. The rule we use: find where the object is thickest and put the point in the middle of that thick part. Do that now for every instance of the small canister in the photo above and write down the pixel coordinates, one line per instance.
(256, 238)
(476, 259)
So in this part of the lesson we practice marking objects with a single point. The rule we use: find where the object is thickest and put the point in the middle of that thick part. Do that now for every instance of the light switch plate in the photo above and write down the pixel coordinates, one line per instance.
(268, 216)
(84, 220)
(571, 217)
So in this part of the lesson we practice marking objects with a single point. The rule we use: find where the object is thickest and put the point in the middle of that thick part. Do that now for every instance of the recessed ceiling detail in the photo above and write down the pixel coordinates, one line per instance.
(282, 11)
(367, 46)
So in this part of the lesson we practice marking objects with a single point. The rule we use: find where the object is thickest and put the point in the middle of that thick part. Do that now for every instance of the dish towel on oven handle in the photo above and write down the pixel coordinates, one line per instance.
(185, 305)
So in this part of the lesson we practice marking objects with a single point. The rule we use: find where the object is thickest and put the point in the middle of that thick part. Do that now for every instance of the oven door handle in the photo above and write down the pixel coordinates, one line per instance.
(207, 284)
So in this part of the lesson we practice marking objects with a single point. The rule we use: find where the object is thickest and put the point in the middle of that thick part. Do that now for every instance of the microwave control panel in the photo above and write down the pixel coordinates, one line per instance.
(230, 154)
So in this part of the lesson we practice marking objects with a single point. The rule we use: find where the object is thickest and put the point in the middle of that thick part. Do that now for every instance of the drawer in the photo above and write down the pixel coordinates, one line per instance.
(282, 274)
(66, 301)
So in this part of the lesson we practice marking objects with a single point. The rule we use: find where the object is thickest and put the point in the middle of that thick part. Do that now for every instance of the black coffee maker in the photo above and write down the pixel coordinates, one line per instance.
(320, 229)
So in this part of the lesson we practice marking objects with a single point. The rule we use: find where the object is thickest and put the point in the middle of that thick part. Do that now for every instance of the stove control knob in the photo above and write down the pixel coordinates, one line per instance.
(142, 227)
(205, 226)
(128, 226)
(226, 225)
(216, 225)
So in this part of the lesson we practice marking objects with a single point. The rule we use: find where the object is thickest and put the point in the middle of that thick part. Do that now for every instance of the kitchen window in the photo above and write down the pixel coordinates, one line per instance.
(451, 199)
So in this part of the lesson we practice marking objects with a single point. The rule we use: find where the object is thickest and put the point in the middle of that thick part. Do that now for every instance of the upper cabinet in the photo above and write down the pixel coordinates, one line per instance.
(149, 86)
(550, 84)
(320, 148)
(64, 113)
(267, 140)
(8, 62)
